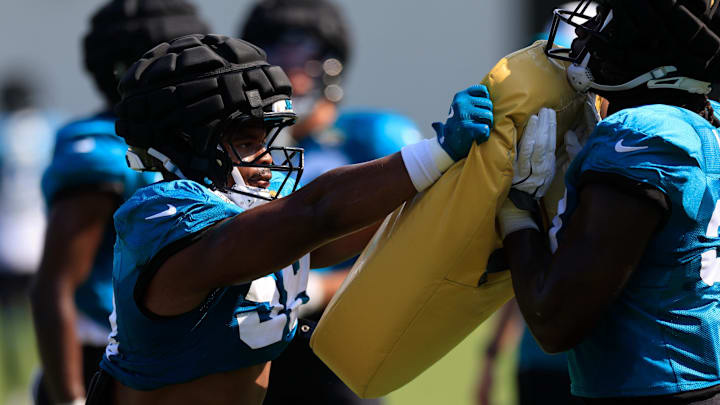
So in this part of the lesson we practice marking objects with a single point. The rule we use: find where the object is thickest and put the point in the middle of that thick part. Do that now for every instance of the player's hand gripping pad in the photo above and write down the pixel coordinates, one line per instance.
(426, 280)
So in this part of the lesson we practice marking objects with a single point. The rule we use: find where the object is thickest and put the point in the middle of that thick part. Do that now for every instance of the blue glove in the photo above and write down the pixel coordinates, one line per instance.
(470, 119)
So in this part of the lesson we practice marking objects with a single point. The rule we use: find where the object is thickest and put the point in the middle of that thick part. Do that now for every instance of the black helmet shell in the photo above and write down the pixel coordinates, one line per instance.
(122, 30)
(272, 19)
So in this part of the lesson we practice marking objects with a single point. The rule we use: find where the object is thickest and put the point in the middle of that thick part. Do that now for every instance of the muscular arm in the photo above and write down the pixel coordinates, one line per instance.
(564, 295)
(270, 237)
(75, 230)
(342, 249)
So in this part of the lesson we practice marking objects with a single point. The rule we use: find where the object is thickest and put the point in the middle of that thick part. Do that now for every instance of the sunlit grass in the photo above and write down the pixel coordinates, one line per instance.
(452, 380)
(449, 382)
(18, 354)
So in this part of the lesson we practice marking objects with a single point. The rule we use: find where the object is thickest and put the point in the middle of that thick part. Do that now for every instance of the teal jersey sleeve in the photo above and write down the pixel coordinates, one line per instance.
(161, 214)
(649, 145)
(88, 154)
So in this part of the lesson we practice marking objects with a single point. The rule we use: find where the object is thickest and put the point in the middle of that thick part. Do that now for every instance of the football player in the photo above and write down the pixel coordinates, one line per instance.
(210, 264)
(309, 39)
(86, 181)
(633, 286)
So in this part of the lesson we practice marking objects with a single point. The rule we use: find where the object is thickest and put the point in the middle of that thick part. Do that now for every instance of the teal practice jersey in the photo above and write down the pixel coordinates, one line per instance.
(236, 327)
(89, 156)
(662, 334)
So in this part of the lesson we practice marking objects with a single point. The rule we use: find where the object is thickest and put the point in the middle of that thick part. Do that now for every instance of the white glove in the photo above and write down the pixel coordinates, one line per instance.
(534, 166)
(533, 170)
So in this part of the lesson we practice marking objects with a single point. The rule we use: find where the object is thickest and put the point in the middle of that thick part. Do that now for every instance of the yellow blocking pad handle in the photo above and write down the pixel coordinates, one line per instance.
(424, 282)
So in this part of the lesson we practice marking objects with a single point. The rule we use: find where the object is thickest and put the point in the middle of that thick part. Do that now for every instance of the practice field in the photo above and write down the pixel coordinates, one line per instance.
(451, 381)
(18, 355)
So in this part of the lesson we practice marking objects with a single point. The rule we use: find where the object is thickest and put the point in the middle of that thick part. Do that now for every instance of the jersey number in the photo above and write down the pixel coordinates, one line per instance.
(710, 265)
(257, 332)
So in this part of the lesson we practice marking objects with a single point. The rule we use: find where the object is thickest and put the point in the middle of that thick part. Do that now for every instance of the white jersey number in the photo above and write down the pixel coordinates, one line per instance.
(258, 333)
(710, 265)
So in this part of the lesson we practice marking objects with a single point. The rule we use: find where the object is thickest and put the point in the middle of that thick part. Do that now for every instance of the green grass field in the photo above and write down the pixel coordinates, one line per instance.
(452, 380)
(449, 382)
(18, 355)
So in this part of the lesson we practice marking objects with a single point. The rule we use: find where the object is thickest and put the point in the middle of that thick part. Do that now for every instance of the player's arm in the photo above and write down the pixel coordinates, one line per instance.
(268, 238)
(342, 201)
(564, 295)
(342, 249)
(323, 286)
(75, 229)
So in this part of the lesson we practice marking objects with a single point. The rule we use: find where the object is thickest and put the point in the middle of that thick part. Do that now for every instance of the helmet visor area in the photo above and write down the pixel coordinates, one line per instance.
(571, 30)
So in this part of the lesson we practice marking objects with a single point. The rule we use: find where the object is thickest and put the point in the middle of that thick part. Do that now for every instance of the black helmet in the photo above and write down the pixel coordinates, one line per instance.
(122, 30)
(663, 44)
(270, 20)
(313, 30)
(179, 98)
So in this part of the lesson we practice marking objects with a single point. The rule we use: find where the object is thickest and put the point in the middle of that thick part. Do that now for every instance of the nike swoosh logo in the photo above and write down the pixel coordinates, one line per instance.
(451, 113)
(620, 148)
(167, 213)
(86, 145)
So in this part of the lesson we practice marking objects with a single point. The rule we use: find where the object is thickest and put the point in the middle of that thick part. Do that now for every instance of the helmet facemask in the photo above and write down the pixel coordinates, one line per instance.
(586, 20)
(286, 165)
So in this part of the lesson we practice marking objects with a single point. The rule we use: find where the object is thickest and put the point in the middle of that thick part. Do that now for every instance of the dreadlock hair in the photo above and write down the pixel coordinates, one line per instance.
(647, 34)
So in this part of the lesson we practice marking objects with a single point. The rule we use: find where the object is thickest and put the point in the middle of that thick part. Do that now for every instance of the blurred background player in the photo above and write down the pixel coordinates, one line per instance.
(311, 41)
(541, 378)
(27, 133)
(86, 181)
(639, 319)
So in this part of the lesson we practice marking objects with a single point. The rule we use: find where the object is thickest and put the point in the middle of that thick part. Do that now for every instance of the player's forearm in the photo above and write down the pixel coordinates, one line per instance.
(558, 294)
(350, 198)
(54, 315)
(536, 292)
(342, 249)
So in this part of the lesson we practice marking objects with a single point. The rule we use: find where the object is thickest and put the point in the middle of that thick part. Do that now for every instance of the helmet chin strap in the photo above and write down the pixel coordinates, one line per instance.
(244, 196)
(135, 162)
(582, 80)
